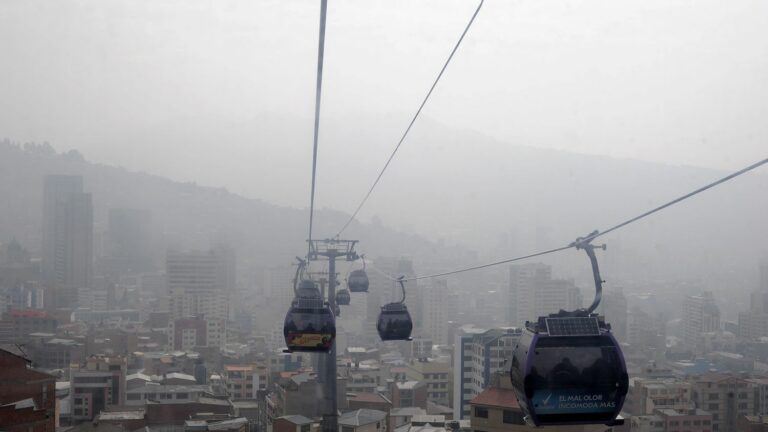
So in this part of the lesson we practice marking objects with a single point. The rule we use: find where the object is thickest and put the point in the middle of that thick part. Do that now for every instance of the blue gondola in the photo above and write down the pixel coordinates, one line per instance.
(343, 298)
(394, 321)
(567, 368)
(357, 281)
(309, 325)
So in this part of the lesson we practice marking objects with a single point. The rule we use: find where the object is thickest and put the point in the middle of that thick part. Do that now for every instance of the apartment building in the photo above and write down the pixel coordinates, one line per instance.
(726, 397)
(478, 354)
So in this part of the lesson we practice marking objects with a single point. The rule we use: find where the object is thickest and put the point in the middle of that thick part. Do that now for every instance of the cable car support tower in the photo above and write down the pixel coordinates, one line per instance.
(330, 249)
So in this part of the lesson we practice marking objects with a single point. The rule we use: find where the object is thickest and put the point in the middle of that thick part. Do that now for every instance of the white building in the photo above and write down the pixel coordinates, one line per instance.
(700, 315)
(533, 293)
(478, 354)
(200, 284)
(439, 306)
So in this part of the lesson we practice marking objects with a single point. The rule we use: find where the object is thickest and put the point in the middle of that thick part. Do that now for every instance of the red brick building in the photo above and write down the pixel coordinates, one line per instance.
(27, 396)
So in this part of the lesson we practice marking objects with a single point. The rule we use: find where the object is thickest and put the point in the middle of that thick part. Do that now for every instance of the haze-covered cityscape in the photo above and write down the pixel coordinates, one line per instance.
(340, 216)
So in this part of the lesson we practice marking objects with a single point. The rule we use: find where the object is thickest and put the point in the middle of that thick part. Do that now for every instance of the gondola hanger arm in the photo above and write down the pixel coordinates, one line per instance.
(585, 243)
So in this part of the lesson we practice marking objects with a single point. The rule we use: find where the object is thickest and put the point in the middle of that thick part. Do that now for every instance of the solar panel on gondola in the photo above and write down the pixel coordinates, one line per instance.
(572, 326)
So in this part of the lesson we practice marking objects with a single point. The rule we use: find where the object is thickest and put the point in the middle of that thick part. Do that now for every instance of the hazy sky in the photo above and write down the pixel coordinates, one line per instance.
(133, 82)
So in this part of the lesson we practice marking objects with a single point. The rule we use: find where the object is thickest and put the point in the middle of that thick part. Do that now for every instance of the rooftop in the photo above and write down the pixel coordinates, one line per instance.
(428, 419)
(297, 419)
(361, 417)
(496, 397)
(407, 385)
(21, 404)
(178, 375)
(138, 375)
(122, 415)
(407, 412)
(669, 412)
(238, 368)
(235, 423)
(756, 419)
(155, 388)
(367, 397)
(245, 404)
(715, 377)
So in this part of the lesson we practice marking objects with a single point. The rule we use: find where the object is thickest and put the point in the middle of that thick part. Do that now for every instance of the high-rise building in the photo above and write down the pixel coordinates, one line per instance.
(613, 307)
(533, 293)
(700, 315)
(439, 306)
(21, 284)
(478, 354)
(646, 335)
(189, 333)
(753, 324)
(67, 253)
(200, 285)
(129, 247)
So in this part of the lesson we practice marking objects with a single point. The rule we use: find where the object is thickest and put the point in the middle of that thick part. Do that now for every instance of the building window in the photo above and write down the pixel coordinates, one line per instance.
(182, 395)
(714, 407)
(305, 428)
(714, 396)
(742, 406)
(513, 417)
(481, 412)
(347, 429)
(134, 396)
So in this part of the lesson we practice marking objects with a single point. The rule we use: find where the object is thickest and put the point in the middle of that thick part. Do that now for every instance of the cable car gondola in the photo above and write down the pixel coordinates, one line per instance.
(343, 298)
(394, 320)
(357, 281)
(568, 369)
(309, 325)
